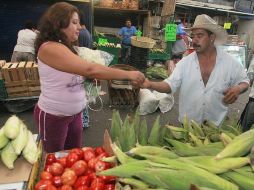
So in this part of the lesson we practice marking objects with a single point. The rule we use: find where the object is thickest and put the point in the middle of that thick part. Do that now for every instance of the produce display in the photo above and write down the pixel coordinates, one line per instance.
(201, 156)
(76, 169)
(16, 139)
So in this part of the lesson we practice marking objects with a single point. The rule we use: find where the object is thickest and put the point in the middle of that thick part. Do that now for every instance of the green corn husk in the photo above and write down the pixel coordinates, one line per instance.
(12, 127)
(116, 124)
(8, 156)
(244, 182)
(3, 139)
(143, 133)
(203, 177)
(239, 146)
(153, 150)
(136, 122)
(225, 139)
(178, 132)
(124, 136)
(20, 142)
(196, 141)
(132, 140)
(31, 152)
(197, 129)
(135, 183)
(216, 166)
(245, 171)
(155, 133)
(121, 156)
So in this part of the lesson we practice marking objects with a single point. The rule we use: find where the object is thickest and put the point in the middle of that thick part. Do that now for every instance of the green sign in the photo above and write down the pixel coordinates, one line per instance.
(102, 41)
(227, 25)
(170, 32)
(139, 33)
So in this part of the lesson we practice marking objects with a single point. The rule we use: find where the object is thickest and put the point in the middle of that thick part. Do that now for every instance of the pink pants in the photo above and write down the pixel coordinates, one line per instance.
(58, 133)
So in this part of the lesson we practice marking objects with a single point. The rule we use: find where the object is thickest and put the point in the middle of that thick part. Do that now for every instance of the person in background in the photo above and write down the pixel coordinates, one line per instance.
(209, 80)
(247, 116)
(125, 34)
(58, 113)
(85, 40)
(24, 49)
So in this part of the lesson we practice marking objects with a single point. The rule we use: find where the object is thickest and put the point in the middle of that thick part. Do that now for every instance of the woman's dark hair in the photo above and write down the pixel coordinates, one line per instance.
(57, 17)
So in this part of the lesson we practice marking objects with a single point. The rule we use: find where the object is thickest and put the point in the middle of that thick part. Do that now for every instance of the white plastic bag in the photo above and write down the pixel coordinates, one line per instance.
(148, 103)
(166, 101)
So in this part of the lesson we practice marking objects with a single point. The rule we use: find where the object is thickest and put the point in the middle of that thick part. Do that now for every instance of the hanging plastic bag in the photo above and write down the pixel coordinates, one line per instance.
(166, 101)
(148, 103)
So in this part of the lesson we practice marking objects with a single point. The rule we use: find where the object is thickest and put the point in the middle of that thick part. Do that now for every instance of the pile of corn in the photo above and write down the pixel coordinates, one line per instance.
(16, 139)
(199, 156)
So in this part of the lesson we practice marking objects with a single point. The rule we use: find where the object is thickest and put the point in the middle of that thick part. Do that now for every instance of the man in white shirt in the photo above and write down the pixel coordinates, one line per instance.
(208, 79)
(24, 49)
(247, 117)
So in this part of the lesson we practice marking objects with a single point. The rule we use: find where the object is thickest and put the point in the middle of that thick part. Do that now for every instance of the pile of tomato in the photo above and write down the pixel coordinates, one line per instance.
(76, 171)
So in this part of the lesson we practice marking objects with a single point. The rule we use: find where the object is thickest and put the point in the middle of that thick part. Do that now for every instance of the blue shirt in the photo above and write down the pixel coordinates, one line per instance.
(127, 33)
(85, 38)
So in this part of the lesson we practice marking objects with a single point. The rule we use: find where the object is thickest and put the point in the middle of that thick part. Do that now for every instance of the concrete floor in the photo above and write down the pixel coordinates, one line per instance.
(101, 120)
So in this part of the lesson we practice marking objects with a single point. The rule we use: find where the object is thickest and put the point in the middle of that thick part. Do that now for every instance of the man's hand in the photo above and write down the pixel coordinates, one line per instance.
(146, 84)
(231, 94)
(137, 78)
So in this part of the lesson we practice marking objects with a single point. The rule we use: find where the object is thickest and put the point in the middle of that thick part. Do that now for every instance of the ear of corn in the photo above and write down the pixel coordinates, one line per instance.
(153, 150)
(216, 166)
(197, 129)
(121, 156)
(124, 136)
(135, 183)
(196, 141)
(178, 132)
(143, 134)
(136, 122)
(225, 139)
(116, 124)
(239, 146)
(155, 133)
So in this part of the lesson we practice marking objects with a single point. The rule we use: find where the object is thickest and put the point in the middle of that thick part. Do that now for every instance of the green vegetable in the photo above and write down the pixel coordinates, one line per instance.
(12, 127)
(8, 156)
(3, 139)
(30, 152)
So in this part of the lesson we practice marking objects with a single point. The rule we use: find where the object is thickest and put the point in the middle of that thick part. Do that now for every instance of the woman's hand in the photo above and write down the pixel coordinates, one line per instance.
(146, 84)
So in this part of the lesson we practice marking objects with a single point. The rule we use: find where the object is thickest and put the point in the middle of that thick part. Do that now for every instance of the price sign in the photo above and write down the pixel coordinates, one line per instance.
(102, 41)
(227, 25)
(170, 32)
(139, 33)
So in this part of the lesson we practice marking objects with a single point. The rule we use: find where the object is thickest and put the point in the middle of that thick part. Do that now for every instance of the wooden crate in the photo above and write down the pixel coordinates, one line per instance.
(21, 79)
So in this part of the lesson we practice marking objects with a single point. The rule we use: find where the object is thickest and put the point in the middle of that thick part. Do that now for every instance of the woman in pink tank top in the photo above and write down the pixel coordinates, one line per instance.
(61, 70)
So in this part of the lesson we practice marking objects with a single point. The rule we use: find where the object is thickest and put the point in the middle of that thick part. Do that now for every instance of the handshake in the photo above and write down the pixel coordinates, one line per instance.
(138, 79)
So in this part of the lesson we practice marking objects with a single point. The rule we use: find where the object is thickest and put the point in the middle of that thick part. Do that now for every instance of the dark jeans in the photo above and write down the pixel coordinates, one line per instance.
(58, 133)
(125, 53)
(247, 116)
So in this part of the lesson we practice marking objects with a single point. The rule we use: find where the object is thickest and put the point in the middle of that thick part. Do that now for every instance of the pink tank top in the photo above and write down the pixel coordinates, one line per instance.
(62, 93)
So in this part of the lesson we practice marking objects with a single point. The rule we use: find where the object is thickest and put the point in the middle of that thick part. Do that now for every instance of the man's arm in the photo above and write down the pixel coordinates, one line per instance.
(158, 86)
(232, 93)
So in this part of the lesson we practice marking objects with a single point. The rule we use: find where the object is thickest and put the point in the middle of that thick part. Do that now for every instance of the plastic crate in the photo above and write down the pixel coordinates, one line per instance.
(158, 56)
(111, 39)
(112, 50)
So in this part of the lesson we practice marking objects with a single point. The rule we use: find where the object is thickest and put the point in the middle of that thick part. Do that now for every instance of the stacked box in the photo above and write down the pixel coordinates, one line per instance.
(21, 79)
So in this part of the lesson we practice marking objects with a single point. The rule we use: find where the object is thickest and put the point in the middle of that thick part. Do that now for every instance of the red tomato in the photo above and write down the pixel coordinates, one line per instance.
(82, 180)
(51, 158)
(69, 177)
(56, 169)
(88, 155)
(102, 155)
(46, 175)
(66, 187)
(79, 167)
(109, 187)
(51, 187)
(83, 187)
(107, 179)
(92, 176)
(42, 184)
(78, 151)
(100, 166)
(62, 161)
(99, 150)
(89, 171)
(87, 148)
(71, 159)
(46, 168)
(97, 184)
(92, 162)
(56, 180)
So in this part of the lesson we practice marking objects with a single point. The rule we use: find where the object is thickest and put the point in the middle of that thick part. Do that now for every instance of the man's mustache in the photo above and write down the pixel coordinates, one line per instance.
(196, 45)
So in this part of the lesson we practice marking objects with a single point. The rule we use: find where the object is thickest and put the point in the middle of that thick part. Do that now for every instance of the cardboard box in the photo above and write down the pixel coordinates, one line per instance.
(23, 176)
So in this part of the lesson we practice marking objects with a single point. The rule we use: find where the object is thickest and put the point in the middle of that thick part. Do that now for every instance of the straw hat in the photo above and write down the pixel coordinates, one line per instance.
(205, 22)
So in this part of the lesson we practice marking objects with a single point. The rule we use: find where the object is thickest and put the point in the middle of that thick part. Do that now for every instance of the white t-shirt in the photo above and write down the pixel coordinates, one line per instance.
(202, 102)
(25, 41)
(251, 77)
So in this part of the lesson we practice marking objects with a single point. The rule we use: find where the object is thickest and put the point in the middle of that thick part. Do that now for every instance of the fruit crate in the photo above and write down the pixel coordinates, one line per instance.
(21, 79)
(112, 50)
